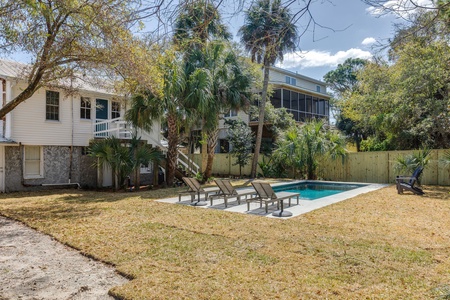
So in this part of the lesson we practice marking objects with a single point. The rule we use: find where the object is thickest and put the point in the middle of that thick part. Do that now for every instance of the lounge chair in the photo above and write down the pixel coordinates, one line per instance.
(194, 188)
(409, 182)
(227, 191)
(267, 195)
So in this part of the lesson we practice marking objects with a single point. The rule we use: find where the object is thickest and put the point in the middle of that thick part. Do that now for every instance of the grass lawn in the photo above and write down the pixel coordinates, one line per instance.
(378, 245)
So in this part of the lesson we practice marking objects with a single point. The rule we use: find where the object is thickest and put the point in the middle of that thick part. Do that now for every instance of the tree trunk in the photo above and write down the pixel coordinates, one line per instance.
(155, 174)
(172, 149)
(211, 147)
(137, 178)
(99, 174)
(262, 107)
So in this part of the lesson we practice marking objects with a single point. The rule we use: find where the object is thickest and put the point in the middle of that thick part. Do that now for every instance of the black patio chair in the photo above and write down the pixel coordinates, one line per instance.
(409, 183)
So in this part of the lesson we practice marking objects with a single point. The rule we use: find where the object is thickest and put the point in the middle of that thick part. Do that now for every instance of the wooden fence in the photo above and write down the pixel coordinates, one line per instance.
(371, 167)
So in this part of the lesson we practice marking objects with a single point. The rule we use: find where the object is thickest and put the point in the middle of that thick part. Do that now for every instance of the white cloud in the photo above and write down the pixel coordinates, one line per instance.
(368, 41)
(400, 7)
(315, 58)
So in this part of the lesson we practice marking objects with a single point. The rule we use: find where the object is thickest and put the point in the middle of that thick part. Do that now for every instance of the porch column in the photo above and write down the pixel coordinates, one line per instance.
(8, 124)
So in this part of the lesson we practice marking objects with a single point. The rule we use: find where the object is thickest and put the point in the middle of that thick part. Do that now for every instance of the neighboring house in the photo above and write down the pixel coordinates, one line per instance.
(304, 97)
(44, 140)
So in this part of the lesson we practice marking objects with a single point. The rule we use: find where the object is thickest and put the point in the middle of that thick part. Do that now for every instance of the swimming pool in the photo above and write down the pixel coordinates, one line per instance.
(311, 190)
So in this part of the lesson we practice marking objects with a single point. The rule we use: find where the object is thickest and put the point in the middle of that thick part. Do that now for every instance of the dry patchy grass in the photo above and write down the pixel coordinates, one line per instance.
(378, 245)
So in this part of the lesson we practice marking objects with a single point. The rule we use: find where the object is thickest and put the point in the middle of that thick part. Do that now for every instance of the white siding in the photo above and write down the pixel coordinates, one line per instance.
(30, 127)
(241, 115)
(83, 128)
(277, 76)
(153, 137)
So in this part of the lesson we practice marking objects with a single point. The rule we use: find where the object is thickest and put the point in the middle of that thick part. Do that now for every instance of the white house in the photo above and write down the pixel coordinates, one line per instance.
(43, 141)
(304, 97)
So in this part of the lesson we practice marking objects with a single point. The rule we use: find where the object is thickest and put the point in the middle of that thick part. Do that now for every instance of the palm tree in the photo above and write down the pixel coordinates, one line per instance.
(410, 162)
(111, 153)
(445, 160)
(289, 152)
(197, 23)
(148, 107)
(304, 148)
(122, 158)
(268, 32)
(141, 154)
(228, 83)
(209, 64)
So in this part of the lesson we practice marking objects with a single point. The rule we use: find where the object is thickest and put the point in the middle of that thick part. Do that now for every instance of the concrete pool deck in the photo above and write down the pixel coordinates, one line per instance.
(304, 206)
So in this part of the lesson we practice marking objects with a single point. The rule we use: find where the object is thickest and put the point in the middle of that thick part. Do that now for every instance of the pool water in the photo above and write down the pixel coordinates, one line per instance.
(316, 190)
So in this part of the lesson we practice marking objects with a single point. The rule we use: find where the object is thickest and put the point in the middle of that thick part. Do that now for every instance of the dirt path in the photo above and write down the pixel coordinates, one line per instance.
(35, 266)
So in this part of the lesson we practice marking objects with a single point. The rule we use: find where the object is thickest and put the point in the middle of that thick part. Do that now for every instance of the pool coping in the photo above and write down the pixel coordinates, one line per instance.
(310, 205)
(304, 206)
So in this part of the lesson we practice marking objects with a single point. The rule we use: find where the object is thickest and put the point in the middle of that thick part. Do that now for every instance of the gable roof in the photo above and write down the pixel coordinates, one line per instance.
(12, 69)
(18, 70)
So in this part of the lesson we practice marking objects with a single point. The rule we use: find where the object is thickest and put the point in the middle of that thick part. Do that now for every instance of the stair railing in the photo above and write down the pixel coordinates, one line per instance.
(187, 163)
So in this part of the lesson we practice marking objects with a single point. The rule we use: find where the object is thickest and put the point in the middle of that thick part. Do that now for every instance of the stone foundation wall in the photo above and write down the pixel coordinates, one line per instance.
(57, 168)
(13, 169)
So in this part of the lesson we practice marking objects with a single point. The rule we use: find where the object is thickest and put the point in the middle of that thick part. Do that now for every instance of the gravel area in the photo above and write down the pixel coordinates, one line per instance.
(36, 266)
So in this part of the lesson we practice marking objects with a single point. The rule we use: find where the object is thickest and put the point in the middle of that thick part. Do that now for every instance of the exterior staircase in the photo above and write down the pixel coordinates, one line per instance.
(186, 166)
(121, 129)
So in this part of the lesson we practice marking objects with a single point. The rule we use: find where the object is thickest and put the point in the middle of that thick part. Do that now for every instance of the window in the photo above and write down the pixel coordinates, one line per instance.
(85, 108)
(276, 98)
(290, 80)
(294, 100)
(33, 166)
(52, 105)
(315, 107)
(85, 151)
(231, 113)
(286, 98)
(321, 107)
(115, 110)
(318, 88)
(223, 146)
(301, 102)
(146, 168)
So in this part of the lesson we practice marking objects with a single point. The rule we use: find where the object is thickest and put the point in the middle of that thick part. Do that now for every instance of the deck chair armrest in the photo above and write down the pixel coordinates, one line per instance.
(403, 178)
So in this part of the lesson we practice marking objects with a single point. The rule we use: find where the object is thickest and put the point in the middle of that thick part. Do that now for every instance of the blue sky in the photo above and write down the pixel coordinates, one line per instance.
(356, 30)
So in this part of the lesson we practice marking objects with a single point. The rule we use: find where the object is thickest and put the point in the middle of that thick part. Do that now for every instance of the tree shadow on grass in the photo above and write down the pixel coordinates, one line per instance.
(71, 195)
(437, 192)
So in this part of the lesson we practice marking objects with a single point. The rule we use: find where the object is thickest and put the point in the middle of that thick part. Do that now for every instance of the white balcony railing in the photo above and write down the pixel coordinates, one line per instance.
(121, 129)
(113, 127)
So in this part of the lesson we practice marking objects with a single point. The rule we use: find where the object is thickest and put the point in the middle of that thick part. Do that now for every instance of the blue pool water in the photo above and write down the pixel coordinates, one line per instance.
(315, 190)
